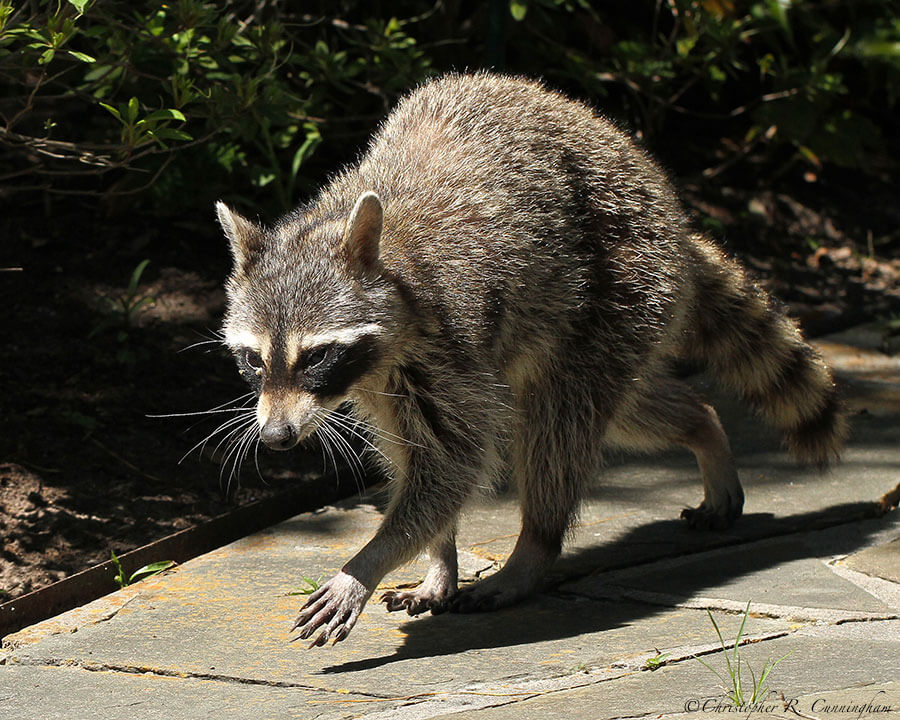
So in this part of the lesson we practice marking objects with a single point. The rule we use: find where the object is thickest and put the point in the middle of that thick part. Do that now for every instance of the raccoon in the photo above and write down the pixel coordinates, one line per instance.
(501, 287)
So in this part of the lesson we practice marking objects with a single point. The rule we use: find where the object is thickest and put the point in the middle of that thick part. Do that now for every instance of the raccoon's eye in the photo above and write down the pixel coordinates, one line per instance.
(254, 361)
(315, 357)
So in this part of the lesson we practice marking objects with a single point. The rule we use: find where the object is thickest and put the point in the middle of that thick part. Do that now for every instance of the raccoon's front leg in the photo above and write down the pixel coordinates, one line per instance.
(553, 457)
(421, 509)
(439, 586)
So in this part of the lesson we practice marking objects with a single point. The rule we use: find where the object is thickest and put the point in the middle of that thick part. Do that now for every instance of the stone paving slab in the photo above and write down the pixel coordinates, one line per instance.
(688, 691)
(243, 636)
(796, 573)
(880, 561)
(827, 670)
(30, 692)
(210, 639)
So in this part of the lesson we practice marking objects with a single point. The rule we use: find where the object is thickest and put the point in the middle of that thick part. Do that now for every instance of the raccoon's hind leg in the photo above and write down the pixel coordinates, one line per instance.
(723, 497)
(439, 586)
(670, 413)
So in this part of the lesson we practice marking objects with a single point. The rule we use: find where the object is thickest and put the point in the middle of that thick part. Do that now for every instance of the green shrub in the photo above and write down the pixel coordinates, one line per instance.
(174, 103)
(111, 97)
(813, 81)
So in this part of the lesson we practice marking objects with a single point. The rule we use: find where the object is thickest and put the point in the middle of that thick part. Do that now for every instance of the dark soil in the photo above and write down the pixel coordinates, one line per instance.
(85, 469)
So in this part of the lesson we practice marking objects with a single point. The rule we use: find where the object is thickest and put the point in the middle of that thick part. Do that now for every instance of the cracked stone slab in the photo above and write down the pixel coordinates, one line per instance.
(826, 668)
(429, 685)
(241, 628)
(69, 693)
(881, 561)
(787, 576)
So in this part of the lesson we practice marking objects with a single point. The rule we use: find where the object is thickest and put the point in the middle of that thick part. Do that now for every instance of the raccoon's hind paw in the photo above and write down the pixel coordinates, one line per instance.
(336, 605)
(505, 587)
(705, 517)
(420, 600)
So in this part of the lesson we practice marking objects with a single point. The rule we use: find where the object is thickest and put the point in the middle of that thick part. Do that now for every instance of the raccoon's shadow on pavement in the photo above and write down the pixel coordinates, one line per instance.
(555, 614)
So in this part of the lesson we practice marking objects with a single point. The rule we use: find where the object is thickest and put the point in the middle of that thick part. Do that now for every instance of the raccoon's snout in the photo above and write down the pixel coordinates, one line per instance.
(279, 435)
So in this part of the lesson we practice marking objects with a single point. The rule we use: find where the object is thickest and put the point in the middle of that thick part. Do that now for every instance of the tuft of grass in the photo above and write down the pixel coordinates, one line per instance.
(141, 573)
(655, 663)
(310, 588)
(733, 678)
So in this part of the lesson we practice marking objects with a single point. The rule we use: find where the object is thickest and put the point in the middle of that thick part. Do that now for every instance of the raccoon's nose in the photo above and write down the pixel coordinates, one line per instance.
(279, 435)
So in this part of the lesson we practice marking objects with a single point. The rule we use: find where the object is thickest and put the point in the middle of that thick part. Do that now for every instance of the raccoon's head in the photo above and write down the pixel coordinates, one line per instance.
(307, 315)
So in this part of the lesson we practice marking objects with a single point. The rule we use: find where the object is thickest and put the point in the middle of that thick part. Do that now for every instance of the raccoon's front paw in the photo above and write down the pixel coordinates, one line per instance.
(421, 599)
(336, 605)
(706, 517)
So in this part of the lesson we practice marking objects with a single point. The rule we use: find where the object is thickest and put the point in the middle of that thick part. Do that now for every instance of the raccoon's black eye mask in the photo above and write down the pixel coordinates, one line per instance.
(325, 370)
(250, 366)
(330, 370)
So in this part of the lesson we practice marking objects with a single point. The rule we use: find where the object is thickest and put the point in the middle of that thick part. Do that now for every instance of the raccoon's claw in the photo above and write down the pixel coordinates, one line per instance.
(336, 605)
(709, 518)
(469, 602)
(417, 601)
(500, 590)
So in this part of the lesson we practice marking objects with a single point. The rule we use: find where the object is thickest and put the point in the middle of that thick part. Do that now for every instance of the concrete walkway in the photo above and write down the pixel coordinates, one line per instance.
(813, 554)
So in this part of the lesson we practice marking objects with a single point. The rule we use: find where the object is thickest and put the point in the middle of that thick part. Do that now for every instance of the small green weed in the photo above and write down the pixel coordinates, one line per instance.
(655, 663)
(147, 571)
(732, 678)
(310, 588)
(127, 305)
(123, 312)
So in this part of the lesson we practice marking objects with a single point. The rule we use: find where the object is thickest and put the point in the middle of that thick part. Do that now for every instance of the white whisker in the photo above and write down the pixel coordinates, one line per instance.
(344, 449)
(198, 344)
(384, 394)
(347, 424)
(340, 443)
(375, 430)
(221, 428)
(199, 412)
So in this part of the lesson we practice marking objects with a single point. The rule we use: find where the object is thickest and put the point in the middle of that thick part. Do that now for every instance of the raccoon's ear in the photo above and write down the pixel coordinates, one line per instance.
(362, 236)
(245, 238)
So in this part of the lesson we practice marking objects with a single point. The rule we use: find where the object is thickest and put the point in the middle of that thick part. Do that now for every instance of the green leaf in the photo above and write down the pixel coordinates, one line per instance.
(264, 178)
(151, 570)
(84, 57)
(79, 5)
(778, 10)
(46, 56)
(165, 114)
(112, 111)
(809, 155)
(172, 134)
(518, 10)
(136, 276)
(134, 107)
(684, 45)
(120, 576)
(313, 138)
